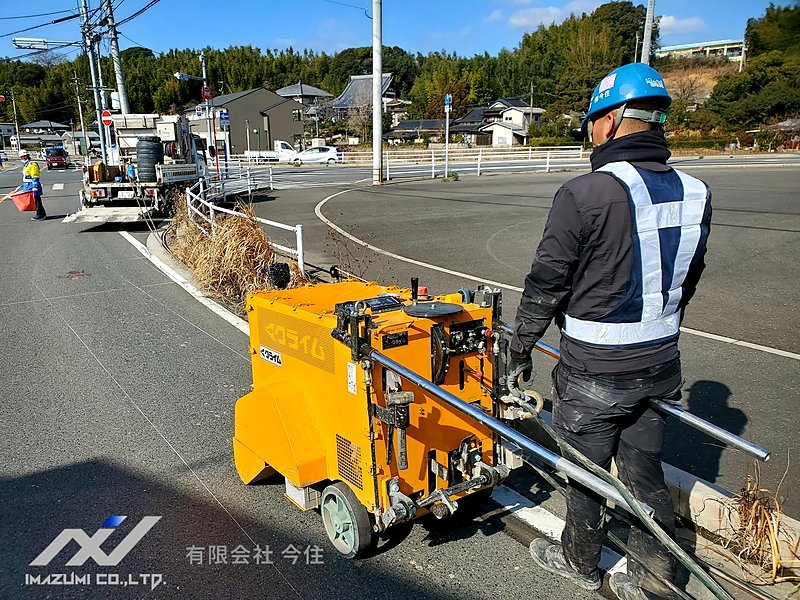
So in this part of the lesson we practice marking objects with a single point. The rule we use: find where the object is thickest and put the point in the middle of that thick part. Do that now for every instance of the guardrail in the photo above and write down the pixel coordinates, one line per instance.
(204, 197)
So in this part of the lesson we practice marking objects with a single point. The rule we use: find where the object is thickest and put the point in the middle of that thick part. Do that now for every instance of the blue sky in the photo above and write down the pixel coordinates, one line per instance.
(466, 27)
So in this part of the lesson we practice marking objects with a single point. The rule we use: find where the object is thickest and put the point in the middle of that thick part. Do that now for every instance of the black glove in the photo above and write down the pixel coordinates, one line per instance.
(520, 363)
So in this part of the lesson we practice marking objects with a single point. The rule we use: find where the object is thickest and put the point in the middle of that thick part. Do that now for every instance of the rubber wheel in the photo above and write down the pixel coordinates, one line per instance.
(331, 161)
(346, 521)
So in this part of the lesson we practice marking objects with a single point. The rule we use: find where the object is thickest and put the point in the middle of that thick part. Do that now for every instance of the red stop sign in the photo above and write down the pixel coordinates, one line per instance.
(206, 93)
(2, 98)
(106, 118)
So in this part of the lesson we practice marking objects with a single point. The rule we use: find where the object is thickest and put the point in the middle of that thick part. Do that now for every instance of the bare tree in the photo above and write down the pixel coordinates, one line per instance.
(359, 116)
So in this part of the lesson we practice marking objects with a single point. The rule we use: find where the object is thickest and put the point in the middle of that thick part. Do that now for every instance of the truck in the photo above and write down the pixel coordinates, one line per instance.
(283, 152)
(178, 154)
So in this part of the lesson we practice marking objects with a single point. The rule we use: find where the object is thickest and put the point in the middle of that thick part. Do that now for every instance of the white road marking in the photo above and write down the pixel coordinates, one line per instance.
(58, 186)
(548, 524)
(218, 309)
(413, 261)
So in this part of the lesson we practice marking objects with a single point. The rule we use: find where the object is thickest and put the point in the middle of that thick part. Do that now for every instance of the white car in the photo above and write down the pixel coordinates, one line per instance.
(320, 154)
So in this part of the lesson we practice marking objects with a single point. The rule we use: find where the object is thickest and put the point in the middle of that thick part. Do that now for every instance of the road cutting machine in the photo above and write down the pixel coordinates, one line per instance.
(379, 404)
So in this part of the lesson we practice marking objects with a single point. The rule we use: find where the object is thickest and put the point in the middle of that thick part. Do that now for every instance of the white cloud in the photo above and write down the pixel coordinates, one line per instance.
(494, 17)
(530, 18)
(671, 25)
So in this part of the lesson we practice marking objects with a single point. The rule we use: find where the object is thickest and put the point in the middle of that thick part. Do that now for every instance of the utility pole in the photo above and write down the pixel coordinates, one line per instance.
(648, 32)
(115, 57)
(16, 121)
(636, 50)
(247, 129)
(89, 47)
(212, 135)
(86, 140)
(377, 93)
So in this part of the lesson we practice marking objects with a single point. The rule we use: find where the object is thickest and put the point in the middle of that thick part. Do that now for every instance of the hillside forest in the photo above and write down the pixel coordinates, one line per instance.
(556, 66)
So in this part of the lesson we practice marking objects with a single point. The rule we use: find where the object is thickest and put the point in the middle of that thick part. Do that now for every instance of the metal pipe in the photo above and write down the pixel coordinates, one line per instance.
(684, 416)
(542, 454)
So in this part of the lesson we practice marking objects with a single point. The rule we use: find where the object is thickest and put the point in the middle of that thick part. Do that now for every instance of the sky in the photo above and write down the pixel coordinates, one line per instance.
(466, 27)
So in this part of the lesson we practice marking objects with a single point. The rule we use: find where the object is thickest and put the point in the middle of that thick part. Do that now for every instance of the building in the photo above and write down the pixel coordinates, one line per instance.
(416, 129)
(258, 117)
(305, 94)
(503, 122)
(358, 95)
(73, 142)
(730, 49)
(7, 131)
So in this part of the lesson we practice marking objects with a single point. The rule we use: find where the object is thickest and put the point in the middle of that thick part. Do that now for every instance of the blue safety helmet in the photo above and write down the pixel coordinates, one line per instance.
(634, 82)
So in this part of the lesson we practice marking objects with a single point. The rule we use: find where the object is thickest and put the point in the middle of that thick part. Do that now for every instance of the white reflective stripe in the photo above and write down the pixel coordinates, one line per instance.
(647, 231)
(669, 214)
(695, 196)
(621, 334)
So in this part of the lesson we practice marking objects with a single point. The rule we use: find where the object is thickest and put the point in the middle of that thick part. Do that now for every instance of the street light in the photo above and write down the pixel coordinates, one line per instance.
(258, 131)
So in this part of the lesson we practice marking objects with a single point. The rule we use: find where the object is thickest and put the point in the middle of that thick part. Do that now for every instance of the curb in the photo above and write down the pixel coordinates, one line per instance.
(709, 507)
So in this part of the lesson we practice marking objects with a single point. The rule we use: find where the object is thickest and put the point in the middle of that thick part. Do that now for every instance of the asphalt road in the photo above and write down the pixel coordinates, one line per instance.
(118, 390)
(119, 387)
(489, 228)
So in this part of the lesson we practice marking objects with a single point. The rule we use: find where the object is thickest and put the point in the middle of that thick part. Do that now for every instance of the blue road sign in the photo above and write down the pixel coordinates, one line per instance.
(224, 118)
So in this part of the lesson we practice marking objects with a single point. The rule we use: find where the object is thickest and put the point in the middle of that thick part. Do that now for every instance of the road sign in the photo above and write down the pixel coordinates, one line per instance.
(199, 110)
(206, 93)
(2, 98)
(224, 118)
(448, 99)
(106, 118)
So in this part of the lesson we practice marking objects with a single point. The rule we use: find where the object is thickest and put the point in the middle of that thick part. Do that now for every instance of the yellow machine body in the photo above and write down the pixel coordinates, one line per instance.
(309, 417)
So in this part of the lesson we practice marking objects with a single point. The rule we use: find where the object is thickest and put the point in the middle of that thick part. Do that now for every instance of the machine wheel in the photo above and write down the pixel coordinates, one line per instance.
(346, 521)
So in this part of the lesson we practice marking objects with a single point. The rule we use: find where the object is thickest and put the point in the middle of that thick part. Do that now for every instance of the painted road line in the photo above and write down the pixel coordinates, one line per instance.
(218, 309)
(58, 186)
(548, 524)
(413, 261)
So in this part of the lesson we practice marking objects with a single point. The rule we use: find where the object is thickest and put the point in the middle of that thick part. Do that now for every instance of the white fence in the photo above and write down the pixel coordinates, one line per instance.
(437, 162)
(204, 197)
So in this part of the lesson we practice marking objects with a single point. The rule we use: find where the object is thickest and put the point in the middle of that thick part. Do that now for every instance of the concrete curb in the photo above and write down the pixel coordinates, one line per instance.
(709, 507)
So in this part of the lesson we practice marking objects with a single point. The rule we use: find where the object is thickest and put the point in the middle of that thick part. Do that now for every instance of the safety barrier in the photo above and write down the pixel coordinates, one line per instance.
(203, 201)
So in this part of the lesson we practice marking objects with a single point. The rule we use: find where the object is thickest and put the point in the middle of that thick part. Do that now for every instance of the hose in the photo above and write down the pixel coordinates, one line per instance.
(655, 529)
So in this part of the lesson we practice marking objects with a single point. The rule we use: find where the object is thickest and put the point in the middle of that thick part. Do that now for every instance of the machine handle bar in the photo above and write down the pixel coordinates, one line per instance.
(542, 454)
(684, 416)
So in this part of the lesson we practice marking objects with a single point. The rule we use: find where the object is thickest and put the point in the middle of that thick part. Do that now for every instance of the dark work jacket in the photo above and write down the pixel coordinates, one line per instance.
(583, 263)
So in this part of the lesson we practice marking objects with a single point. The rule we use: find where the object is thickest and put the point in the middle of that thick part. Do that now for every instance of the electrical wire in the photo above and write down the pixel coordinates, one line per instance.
(47, 14)
(138, 12)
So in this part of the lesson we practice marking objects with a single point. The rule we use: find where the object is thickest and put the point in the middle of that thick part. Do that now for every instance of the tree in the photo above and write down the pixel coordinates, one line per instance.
(778, 29)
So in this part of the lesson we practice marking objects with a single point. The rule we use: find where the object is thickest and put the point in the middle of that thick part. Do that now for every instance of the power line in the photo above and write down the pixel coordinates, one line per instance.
(47, 14)
(53, 22)
(138, 12)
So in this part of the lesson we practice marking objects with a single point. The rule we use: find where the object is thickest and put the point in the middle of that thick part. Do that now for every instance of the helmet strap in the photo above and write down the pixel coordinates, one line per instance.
(618, 116)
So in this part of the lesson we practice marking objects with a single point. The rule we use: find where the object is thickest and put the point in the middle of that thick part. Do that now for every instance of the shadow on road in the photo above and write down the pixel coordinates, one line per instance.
(35, 508)
(696, 452)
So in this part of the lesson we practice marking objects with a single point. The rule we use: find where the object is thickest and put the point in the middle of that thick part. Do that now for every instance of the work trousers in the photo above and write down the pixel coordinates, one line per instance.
(605, 417)
(40, 211)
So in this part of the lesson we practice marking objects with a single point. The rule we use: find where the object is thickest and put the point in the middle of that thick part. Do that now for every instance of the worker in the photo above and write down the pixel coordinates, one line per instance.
(620, 258)
(31, 183)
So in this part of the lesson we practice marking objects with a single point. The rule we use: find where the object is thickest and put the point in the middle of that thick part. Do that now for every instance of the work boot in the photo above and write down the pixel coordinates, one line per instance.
(38, 218)
(550, 557)
(624, 588)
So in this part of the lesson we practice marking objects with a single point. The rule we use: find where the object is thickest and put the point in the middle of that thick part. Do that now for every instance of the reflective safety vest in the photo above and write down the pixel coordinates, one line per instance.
(30, 178)
(667, 211)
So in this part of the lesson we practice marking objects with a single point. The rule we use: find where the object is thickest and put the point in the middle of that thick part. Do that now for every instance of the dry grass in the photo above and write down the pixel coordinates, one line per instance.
(234, 260)
(756, 527)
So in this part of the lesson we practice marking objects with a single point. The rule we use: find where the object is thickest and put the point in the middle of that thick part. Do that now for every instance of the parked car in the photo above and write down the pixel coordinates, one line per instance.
(319, 154)
(56, 157)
